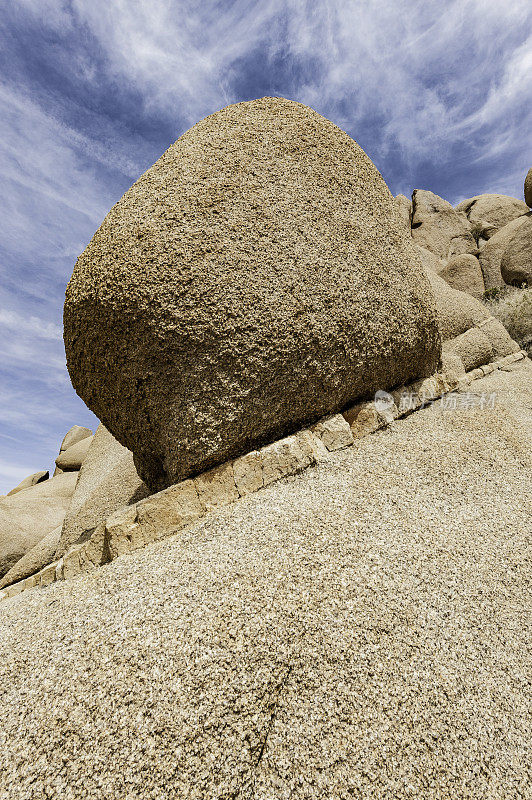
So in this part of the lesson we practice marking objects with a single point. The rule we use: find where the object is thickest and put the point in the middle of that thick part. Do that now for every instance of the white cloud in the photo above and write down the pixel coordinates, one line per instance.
(39, 328)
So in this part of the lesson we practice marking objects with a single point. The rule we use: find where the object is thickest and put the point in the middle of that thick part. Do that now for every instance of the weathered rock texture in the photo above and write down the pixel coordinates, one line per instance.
(73, 436)
(72, 458)
(467, 328)
(35, 559)
(107, 481)
(359, 631)
(438, 227)
(26, 517)
(404, 207)
(463, 272)
(495, 209)
(256, 278)
(528, 188)
(516, 261)
(491, 254)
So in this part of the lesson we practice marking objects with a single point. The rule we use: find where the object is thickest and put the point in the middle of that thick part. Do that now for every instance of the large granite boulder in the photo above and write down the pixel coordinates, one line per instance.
(28, 516)
(516, 261)
(496, 209)
(491, 254)
(438, 227)
(107, 481)
(257, 277)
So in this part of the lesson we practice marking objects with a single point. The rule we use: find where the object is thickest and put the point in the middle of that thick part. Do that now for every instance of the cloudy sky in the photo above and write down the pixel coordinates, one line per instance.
(439, 94)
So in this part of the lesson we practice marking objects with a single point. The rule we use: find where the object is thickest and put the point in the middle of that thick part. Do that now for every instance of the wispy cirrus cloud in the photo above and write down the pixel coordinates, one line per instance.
(438, 94)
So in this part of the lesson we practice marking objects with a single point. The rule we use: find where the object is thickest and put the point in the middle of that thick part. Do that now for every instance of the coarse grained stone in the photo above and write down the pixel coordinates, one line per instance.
(256, 278)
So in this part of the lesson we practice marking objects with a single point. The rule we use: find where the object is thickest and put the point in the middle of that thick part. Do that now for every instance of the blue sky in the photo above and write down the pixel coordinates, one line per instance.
(439, 94)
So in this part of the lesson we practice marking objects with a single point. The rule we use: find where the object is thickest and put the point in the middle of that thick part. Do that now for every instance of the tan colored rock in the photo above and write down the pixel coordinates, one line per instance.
(247, 472)
(500, 339)
(452, 367)
(59, 574)
(495, 209)
(528, 188)
(35, 559)
(216, 487)
(472, 347)
(430, 260)
(84, 557)
(73, 436)
(15, 588)
(28, 516)
(456, 311)
(463, 272)
(72, 562)
(516, 261)
(32, 581)
(153, 518)
(491, 254)
(47, 575)
(107, 481)
(72, 458)
(282, 458)
(404, 207)
(438, 227)
(364, 419)
(334, 432)
(482, 231)
(311, 446)
(31, 480)
(263, 308)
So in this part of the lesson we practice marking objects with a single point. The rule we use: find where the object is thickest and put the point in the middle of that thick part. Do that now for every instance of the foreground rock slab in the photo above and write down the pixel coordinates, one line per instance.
(300, 642)
(271, 241)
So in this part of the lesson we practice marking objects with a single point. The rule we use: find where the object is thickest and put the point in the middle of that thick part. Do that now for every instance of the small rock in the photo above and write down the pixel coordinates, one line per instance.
(334, 432)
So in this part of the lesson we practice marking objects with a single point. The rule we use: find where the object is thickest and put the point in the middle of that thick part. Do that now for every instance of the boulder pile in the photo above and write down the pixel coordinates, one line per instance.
(32, 514)
(480, 245)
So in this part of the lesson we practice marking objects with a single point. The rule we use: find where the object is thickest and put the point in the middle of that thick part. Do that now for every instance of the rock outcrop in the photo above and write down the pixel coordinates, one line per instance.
(528, 188)
(28, 516)
(495, 209)
(404, 207)
(468, 330)
(73, 436)
(35, 559)
(72, 457)
(438, 227)
(256, 278)
(491, 254)
(357, 631)
(516, 261)
(107, 481)
(463, 272)
(31, 480)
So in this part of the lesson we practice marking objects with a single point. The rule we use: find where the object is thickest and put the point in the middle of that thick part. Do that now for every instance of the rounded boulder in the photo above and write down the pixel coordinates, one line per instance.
(257, 277)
